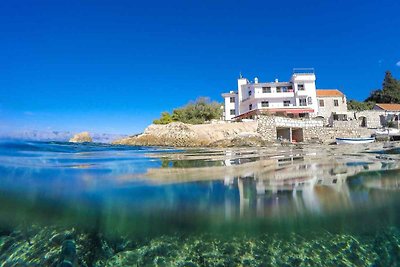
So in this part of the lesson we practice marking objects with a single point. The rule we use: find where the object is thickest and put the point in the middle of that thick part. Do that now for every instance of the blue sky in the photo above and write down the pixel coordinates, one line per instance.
(113, 66)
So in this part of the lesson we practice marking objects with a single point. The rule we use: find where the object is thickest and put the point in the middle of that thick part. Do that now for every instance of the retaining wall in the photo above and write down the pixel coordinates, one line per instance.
(313, 129)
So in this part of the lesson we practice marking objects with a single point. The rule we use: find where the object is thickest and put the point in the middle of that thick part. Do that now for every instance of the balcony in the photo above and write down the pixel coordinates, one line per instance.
(287, 94)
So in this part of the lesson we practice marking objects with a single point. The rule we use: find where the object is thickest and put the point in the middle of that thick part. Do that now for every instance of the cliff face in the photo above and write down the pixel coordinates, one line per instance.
(81, 138)
(179, 134)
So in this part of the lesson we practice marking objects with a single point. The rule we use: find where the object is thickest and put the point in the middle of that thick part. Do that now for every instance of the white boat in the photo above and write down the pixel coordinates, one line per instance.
(387, 131)
(358, 140)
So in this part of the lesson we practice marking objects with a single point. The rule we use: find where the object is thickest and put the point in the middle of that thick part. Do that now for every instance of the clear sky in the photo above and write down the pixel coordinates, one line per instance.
(113, 66)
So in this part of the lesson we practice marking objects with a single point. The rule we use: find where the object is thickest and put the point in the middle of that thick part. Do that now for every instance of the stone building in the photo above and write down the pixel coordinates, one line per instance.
(391, 113)
(332, 105)
(372, 119)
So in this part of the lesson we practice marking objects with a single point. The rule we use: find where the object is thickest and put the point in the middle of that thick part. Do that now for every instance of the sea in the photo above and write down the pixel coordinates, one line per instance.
(66, 204)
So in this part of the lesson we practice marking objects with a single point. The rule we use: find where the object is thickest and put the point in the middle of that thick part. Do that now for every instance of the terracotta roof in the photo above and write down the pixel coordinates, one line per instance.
(329, 93)
(389, 107)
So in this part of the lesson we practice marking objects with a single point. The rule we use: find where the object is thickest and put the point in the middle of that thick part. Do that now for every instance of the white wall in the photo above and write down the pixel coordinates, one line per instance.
(228, 106)
(309, 89)
(241, 83)
(329, 107)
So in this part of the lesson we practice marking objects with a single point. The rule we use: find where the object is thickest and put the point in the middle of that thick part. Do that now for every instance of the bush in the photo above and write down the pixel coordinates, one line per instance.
(165, 118)
(197, 112)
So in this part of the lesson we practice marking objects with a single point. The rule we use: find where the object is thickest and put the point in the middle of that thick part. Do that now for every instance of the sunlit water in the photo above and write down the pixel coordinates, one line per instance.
(65, 204)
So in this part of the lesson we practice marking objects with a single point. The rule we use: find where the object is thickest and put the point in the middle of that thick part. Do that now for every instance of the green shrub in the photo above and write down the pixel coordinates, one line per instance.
(165, 118)
(198, 112)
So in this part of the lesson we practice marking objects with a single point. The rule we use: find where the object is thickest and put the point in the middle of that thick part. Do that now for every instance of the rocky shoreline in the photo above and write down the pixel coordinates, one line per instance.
(179, 134)
(259, 133)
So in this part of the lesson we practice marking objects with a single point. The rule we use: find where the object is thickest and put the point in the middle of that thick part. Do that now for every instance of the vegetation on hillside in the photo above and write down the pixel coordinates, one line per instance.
(390, 93)
(198, 112)
(359, 106)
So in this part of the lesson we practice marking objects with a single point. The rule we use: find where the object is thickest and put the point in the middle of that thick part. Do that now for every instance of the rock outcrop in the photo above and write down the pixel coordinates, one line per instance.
(179, 134)
(83, 137)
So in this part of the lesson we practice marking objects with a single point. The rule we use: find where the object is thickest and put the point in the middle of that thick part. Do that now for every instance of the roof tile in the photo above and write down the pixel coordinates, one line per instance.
(389, 107)
(329, 93)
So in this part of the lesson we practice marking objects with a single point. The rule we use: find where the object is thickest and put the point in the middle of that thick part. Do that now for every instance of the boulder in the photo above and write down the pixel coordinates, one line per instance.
(83, 137)
(244, 139)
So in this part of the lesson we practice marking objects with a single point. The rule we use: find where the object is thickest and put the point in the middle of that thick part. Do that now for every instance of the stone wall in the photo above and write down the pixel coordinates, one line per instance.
(297, 123)
(328, 134)
(266, 128)
(313, 129)
(267, 125)
(374, 118)
(350, 124)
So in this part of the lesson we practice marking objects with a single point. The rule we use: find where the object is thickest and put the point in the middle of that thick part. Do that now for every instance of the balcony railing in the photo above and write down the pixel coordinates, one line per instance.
(303, 71)
(285, 91)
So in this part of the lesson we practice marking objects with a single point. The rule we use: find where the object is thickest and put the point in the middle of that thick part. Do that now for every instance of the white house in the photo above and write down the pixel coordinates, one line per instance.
(294, 98)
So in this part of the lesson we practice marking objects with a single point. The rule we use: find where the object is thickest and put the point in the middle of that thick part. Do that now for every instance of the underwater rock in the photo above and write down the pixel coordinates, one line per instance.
(68, 255)
(312, 249)
(83, 137)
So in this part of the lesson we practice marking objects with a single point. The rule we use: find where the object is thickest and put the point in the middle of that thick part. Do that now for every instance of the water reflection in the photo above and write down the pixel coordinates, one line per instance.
(293, 183)
(116, 188)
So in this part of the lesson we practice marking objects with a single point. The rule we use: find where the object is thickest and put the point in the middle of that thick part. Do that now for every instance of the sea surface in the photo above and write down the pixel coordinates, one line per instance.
(64, 204)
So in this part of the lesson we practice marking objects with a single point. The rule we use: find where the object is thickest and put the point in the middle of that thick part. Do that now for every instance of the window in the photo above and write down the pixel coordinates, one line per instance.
(232, 112)
(290, 89)
(336, 103)
(286, 103)
(250, 106)
(264, 104)
(232, 99)
(309, 100)
(266, 90)
(278, 89)
(300, 87)
(302, 102)
(321, 103)
(249, 92)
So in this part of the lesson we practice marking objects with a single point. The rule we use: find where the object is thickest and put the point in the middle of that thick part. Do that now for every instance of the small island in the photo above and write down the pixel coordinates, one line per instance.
(83, 137)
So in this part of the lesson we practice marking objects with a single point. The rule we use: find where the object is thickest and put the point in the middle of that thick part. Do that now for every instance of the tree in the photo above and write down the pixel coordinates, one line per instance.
(391, 86)
(390, 92)
(198, 112)
(165, 118)
(359, 106)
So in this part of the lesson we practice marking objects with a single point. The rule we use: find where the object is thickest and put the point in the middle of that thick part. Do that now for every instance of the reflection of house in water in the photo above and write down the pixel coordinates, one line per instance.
(298, 188)
(278, 182)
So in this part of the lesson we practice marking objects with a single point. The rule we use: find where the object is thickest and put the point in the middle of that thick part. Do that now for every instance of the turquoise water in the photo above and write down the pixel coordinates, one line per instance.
(66, 204)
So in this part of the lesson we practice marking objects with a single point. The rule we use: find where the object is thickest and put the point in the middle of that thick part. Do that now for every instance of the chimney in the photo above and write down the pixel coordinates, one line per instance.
(255, 80)
(276, 80)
